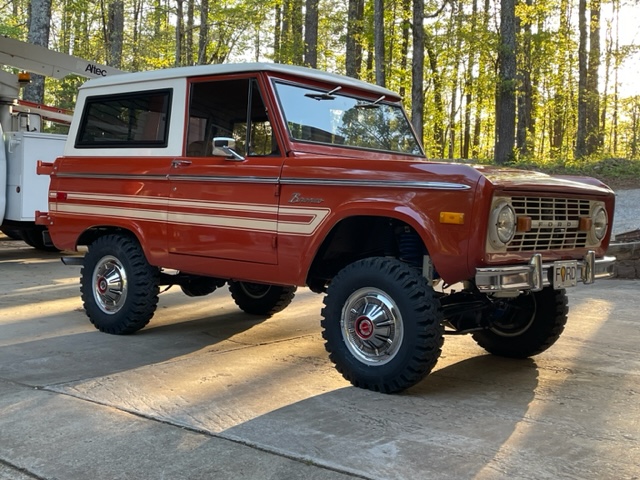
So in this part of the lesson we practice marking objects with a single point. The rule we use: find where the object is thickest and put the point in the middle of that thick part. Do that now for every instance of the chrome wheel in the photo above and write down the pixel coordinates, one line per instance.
(254, 290)
(382, 324)
(372, 326)
(260, 298)
(526, 325)
(109, 284)
(513, 317)
(118, 285)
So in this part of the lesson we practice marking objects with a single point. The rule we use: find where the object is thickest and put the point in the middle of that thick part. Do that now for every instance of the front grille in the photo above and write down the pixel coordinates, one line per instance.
(555, 224)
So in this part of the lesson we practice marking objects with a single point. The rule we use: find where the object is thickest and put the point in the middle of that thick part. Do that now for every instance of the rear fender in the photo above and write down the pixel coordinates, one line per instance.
(91, 234)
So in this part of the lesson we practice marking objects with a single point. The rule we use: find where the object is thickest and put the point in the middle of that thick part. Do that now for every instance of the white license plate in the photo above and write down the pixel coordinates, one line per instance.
(565, 274)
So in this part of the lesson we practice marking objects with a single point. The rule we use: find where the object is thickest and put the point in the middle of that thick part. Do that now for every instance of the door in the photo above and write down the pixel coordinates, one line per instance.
(223, 196)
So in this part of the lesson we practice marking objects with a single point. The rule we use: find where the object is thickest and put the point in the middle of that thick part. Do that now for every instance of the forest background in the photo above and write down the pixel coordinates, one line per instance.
(542, 84)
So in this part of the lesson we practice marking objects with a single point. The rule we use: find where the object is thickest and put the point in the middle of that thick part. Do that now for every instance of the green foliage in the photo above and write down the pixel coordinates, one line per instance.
(613, 171)
(460, 73)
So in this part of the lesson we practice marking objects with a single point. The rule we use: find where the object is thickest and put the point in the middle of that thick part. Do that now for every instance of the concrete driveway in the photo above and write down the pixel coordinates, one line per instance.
(208, 392)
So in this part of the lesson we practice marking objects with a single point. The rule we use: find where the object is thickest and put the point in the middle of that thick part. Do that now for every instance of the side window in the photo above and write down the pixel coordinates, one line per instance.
(137, 119)
(229, 114)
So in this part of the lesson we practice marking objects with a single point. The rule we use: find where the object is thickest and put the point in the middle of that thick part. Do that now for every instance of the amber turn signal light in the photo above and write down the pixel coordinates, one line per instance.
(585, 224)
(454, 218)
(524, 224)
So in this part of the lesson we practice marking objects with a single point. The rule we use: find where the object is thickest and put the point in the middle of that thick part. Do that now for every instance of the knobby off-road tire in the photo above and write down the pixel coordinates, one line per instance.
(382, 324)
(526, 325)
(261, 299)
(119, 288)
(33, 237)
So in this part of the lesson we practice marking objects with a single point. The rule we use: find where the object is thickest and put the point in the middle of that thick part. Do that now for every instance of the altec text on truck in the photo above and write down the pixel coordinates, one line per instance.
(270, 177)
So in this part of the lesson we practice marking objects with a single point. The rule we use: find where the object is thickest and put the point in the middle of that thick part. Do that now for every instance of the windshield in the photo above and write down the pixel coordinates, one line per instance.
(327, 117)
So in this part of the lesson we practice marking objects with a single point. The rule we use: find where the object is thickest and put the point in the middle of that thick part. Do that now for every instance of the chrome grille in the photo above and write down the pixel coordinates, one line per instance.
(555, 224)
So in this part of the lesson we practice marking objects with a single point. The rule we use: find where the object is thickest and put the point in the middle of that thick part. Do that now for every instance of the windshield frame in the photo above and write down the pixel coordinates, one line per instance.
(363, 99)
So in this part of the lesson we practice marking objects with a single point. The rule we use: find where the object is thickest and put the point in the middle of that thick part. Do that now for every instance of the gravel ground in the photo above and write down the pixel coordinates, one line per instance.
(626, 218)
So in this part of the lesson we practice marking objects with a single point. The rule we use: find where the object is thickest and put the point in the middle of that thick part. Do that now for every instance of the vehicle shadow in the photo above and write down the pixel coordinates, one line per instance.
(15, 250)
(447, 427)
(60, 358)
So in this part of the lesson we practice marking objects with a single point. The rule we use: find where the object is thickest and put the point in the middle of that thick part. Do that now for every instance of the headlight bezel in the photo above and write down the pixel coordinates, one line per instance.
(503, 223)
(599, 226)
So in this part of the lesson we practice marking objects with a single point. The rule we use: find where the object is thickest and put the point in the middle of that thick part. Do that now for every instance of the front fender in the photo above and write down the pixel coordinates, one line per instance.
(447, 243)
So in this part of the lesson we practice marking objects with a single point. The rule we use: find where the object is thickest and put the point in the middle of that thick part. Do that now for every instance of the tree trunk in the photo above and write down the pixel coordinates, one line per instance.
(404, 47)
(593, 138)
(115, 32)
(439, 117)
(277, 33)
(468, 86)
(203, 38)
(137, 9)
(456, 24)
(581, 134)
(506, 94)
(417, 69)
(311, 34)
(484, 66)
(607, 76)
(179, 32)
(188, 50)
(616, 106)
(39, 21)
(558, 120)
(353, 60)
(525, 99)
(378, 41)
(296, 33)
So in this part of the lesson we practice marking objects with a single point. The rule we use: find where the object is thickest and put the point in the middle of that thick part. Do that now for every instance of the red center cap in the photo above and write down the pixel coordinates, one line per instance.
(364, 327)
(102, 285)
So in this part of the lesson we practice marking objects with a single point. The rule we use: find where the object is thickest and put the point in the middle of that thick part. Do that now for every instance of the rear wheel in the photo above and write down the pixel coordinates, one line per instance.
(34, 238)
(119, 288)
(526, 325)
(261, 299)
(382, 325)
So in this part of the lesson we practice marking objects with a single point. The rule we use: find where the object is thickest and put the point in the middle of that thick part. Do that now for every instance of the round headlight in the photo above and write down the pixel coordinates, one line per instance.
(503, 224)
(600, 222)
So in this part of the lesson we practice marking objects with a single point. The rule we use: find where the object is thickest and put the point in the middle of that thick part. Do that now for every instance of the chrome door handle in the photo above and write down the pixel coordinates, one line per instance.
(180, 163)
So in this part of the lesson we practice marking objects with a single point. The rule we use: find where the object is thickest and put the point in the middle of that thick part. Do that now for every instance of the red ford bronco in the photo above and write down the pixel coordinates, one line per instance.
(271, 177)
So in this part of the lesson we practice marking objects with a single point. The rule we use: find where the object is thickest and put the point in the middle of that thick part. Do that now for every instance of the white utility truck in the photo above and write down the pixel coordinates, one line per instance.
(22, 191)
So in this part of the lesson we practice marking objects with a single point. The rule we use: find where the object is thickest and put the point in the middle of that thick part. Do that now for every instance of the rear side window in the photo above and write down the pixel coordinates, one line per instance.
(136, 119)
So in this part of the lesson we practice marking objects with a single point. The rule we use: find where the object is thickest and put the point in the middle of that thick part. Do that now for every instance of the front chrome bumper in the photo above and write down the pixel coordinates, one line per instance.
(536, 275)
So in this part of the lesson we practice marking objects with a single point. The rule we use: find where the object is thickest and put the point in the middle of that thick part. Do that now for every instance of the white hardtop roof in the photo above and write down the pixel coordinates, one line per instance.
(231, 68)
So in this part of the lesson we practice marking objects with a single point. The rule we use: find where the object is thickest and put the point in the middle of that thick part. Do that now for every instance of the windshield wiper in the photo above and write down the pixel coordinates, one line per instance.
(375, 104)
(323, 96)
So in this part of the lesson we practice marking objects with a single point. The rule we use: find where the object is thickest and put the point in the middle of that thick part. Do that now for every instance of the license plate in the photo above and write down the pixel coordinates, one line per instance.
(565, 274)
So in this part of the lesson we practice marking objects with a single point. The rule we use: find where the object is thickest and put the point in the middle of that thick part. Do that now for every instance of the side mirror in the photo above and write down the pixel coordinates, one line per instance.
(224, 146)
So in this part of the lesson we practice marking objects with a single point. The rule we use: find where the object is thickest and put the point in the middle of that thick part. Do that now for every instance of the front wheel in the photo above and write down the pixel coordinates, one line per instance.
(119, 288)
(382, 325)
(526, 325)
(261, 299)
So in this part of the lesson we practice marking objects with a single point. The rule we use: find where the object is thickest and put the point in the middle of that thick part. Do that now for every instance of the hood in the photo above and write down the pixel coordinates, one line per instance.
(515, 179)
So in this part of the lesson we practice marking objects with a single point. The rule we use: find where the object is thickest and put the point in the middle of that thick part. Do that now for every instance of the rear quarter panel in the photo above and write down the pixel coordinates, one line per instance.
(130, 193)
